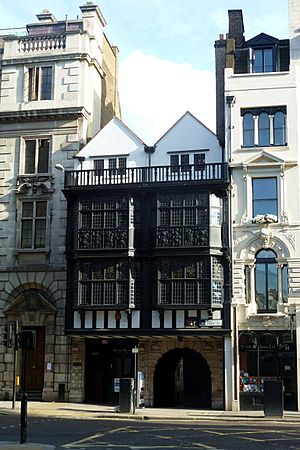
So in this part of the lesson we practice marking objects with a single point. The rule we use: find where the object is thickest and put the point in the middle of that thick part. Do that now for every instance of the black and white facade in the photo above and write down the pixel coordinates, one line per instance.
(148, 266)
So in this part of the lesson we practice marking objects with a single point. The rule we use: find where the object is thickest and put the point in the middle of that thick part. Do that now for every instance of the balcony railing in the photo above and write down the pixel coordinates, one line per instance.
(146, 175)
(30, 44)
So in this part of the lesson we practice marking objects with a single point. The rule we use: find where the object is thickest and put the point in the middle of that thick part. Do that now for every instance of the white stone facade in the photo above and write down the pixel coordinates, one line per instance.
(51, 103)
(281, 233)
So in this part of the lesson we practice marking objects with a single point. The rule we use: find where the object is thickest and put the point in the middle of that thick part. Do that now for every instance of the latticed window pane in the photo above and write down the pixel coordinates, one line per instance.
(190, 216)
(204, 293)
(176, 217)
(177, 293)
(191, 292)
(97, 219)
(217, 268)
(96, 294)
(217, 292)
(164, 217)
(101, 284)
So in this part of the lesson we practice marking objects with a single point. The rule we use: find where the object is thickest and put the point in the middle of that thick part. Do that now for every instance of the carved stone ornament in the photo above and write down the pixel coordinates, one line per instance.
(265, 218)
(291, 238)
(266, 236)
(244, 217)
(35, 185)
(284, 217)
(239, 239)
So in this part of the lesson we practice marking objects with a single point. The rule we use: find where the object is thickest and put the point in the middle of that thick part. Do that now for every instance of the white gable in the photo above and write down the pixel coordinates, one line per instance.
(114, 139)
(188, 134)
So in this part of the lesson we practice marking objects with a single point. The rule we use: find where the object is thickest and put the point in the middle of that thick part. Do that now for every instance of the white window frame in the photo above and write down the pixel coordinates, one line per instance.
(266, 173)
(23, 154)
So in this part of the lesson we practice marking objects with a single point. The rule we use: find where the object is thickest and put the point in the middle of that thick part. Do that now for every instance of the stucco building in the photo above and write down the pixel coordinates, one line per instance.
(258, 82)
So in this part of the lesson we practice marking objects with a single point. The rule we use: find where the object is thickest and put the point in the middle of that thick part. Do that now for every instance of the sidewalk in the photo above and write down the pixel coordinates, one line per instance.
(93, 411)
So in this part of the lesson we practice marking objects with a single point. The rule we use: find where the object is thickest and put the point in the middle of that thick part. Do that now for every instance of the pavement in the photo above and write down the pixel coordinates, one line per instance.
(96, 412)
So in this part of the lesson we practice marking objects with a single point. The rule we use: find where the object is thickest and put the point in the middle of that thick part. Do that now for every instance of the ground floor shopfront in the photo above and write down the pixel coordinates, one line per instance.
(175, 372)
(263, 356)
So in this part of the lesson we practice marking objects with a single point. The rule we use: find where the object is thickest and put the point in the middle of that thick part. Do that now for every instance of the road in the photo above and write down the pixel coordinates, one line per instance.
(149, 435)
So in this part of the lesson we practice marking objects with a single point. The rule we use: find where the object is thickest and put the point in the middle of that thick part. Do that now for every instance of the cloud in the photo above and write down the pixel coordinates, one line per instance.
(156, 92)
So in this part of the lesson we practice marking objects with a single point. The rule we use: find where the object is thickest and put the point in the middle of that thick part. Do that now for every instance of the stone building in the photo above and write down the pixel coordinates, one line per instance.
(148, 267)
(258, 121)
(58, 88)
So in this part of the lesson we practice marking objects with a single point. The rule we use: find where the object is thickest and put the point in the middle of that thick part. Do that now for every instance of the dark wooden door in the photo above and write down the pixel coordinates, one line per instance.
(36, 361)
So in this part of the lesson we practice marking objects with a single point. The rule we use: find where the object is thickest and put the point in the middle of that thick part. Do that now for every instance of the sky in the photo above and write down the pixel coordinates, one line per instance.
(166, 64)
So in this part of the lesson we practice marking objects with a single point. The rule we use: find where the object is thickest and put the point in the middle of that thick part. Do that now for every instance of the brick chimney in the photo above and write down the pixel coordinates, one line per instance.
(236, 26)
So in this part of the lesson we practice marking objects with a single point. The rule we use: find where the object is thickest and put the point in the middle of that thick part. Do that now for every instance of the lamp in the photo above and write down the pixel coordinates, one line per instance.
(60, 167)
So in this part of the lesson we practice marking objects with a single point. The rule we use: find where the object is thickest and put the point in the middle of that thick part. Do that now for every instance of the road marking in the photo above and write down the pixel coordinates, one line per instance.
(196, 444)
(82, 441)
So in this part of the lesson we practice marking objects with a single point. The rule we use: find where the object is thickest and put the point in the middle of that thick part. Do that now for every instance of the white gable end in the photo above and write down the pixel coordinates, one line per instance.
(188, 135)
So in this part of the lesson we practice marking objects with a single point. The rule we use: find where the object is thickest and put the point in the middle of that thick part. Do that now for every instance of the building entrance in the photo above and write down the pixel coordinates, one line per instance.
(105, 364)
(35, 363)
(182, 378)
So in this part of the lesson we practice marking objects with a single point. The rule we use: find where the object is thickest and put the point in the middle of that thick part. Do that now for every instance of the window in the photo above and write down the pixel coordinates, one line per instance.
(184, 283)
(36, 157)
(266, 281)
(106, 212)
(248, 130)
(264, 196)
(33, 224)
(40, 83)
(103, 284)
(279, 128)
(117, 166)
(99, 166)
(262, 60)
(191, 282)
(199, 161)
(264, 127)
(180, 161)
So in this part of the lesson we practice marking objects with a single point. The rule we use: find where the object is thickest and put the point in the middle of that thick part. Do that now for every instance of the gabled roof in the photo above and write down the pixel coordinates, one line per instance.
(262, 40)
(115, 136)
(187, 116)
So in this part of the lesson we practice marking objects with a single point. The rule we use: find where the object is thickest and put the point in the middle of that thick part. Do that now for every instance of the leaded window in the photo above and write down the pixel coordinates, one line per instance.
(103, 284)
(103, 222)
(184, 282)
(182, 220)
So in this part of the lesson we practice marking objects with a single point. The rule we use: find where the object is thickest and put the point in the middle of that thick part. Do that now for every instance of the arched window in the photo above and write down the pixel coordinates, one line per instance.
(263, 129)
(248, 130)
(266, 281)
(279, 128)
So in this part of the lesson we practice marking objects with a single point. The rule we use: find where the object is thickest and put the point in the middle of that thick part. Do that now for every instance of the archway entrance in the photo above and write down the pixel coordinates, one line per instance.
(182, 378)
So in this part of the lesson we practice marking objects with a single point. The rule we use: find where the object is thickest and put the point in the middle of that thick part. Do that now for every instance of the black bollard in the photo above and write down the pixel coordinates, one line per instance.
(23, 422)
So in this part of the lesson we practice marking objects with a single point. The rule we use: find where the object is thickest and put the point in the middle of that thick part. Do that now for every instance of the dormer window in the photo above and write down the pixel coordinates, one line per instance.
(262, 60)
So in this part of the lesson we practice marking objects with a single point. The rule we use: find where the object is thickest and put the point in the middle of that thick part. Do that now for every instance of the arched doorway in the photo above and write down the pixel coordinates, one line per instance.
(182, 378)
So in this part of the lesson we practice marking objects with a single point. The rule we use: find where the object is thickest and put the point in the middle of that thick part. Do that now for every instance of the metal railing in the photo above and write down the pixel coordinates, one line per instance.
(146, 175)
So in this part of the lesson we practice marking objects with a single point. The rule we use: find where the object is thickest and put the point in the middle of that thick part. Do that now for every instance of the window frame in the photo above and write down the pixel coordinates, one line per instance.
(276, 199)
(36, 154)
(256, 129)
(34, 83)
(34, 219)
(263, 51)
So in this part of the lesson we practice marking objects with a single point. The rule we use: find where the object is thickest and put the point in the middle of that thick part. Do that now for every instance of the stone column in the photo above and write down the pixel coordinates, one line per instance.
(252, 308)
(228, 373)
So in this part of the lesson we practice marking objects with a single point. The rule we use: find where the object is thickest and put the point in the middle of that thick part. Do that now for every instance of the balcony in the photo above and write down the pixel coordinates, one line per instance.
(30, 44)
(146, 176)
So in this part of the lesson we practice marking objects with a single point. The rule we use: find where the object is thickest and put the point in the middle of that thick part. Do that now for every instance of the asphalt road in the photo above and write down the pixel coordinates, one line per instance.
(150, 435)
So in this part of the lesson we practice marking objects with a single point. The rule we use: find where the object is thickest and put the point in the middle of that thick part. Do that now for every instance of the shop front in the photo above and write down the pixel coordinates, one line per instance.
(267, 355)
